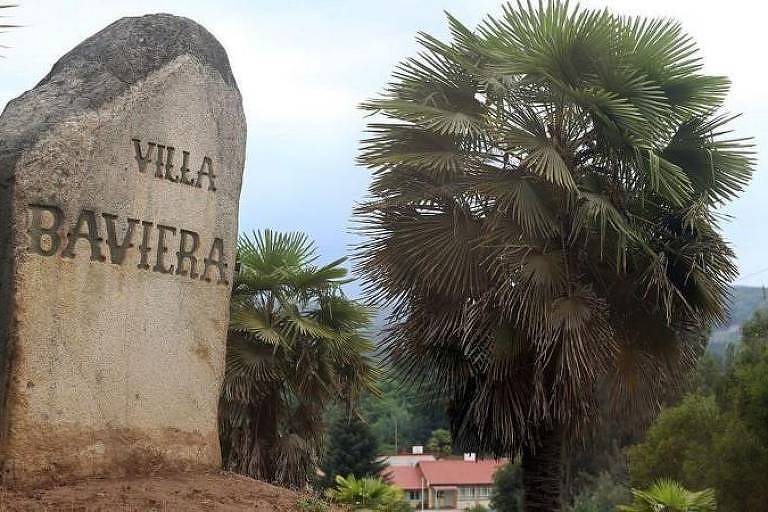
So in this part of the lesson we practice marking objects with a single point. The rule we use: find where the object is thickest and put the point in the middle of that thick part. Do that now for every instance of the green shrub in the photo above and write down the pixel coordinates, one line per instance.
(669, 496)
(369, 494)
(602, 494)
(508, 489)
(312, 504)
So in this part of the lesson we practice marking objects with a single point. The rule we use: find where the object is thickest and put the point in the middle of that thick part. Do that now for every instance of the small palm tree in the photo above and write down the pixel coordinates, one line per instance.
(364, 493)
(669, 496)
(295, 345)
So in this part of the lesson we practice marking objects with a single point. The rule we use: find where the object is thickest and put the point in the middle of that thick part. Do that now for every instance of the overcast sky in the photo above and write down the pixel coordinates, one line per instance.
(303, 66)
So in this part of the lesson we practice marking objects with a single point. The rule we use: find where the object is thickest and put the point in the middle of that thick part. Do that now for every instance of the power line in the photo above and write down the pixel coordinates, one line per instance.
(754, 273)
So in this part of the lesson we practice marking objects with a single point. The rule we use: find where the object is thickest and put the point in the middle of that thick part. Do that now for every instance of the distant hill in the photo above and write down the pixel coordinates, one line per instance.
(745, 301)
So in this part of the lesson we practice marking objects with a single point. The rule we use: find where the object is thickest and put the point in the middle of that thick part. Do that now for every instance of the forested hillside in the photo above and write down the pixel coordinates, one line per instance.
(745, 300)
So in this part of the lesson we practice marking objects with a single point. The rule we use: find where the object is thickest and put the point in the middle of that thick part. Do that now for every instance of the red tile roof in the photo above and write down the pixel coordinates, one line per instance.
(404, 477)
(459, 472)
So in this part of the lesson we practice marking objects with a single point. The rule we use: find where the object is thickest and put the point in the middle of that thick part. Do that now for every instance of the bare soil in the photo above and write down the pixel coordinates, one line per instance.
(184, 492)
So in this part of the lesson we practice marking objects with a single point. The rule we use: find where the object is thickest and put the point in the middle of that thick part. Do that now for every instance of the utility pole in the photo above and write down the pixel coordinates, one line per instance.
(396, 452)
(422, 494)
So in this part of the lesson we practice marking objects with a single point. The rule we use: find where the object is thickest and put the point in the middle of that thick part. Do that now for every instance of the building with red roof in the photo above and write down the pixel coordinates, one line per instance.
(445, 484)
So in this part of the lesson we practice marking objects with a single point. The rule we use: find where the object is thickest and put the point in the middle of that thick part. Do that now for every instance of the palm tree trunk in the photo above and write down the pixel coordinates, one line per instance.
(542, 478)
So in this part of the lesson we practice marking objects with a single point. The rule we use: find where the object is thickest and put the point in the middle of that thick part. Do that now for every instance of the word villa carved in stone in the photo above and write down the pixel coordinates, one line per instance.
(47, 222)
(165, 168)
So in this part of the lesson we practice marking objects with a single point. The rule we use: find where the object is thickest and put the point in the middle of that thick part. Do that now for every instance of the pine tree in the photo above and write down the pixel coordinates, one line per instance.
(352, 450)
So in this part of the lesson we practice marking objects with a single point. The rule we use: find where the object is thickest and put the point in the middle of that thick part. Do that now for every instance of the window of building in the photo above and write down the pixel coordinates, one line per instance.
(414, 495)
(467, 492)
(484, 492)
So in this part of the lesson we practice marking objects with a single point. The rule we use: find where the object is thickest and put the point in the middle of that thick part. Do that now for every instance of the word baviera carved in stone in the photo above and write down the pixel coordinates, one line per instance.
(45, 240)
(164, 166)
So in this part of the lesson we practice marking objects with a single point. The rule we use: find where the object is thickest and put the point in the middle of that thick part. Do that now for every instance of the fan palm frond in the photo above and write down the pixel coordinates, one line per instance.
(668, 495)
(295, 345)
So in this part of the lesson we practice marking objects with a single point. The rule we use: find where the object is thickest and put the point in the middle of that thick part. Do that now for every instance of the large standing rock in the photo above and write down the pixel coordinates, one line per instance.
(120, 176)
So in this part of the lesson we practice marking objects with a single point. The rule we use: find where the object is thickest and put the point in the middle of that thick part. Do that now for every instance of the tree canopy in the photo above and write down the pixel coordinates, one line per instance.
(543, 221)
(352, 450)
(716, 437)
(439, 443)
(296, 345)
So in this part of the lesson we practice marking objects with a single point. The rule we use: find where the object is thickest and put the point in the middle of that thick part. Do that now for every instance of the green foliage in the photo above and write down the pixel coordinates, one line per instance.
(745, 301)
(439, 443)
(367, 494)
(716, 438)
(397, 506)
(602, 494)
(677, 444)
(707, 379)
(412, 414)
(352, 450)
(755, 328)
(312, 504)
(698, 445)
(477, 508)
(747, 376)
(295, 345)
(670, 496)
(508, 489)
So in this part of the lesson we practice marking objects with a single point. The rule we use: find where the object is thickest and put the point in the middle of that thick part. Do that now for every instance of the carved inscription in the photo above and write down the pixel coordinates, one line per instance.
(162, 249)
(160, 158)
(156, 247)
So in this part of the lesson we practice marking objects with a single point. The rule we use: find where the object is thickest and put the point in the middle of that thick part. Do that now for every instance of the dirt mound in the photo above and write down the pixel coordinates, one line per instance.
(183, 492)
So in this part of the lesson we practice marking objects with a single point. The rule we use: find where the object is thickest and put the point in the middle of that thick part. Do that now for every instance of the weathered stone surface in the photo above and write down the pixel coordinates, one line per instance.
(115, 265)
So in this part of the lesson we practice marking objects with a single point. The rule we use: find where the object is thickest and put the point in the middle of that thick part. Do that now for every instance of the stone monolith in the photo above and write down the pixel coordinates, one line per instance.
(120, 178)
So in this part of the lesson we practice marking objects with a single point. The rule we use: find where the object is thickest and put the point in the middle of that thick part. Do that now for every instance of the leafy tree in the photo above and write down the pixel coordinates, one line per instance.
(707, 379)
(401, 412)
(596, 467)
(700, 446)
(295, 345)
(439, 443)
(678, 444)
(542, 223)
(746, 387)
(717, 440)
(737, 465)
(352, 450)
(603, 494)
(670, 496)
(507, 489)
(367, 494)
(755, 328)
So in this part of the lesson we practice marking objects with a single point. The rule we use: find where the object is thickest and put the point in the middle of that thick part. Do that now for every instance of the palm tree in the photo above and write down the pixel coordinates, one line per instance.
(366, 493)
(295, 345)
(543, 223)
(669, 496)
